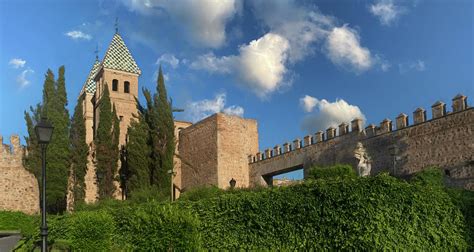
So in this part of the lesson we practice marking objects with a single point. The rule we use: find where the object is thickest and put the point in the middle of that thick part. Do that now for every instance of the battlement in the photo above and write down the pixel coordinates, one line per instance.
(438, 111)
(11, 155)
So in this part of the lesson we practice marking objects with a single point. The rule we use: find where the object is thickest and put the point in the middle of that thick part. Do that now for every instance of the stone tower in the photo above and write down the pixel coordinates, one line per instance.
(120, 72)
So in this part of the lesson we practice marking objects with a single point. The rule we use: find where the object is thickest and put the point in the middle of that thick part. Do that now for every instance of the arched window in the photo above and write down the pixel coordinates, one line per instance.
(114, 85)
(126, 87)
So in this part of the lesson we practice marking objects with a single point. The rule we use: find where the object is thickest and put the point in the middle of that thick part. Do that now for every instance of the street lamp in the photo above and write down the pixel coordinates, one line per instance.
(44, 131)
(172, 174)
(232, 183)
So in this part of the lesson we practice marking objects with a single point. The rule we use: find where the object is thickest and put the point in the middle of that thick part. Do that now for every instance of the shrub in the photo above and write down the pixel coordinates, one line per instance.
(374, 213)
(148, 194)
(338, 170)
(157, 227)
(91, 231)
(431, 176)
(201, 193)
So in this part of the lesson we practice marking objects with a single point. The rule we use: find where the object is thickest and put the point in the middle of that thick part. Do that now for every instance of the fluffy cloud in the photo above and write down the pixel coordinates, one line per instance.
(78, 35)
(418, 65)
(204, 20)
(17, 63)
(260, 65)
(386, 11)
(22, 80)
(308, 103)
(196, 111)
(302, 26)
(329, 114)
(343, 48)
(169, 59)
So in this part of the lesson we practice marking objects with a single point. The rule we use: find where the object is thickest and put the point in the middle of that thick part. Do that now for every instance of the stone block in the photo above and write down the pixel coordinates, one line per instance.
(330, 133)
(402, 121)
(459, 103)
(307, 140)
(343, 129)
(438, 109)
(419, 116)
(356, 125)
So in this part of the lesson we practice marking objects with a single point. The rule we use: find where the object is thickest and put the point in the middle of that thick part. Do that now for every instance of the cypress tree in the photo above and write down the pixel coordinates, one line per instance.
(166, 141)
(54, 108)
(32, 160)
(79, 152)
(138, 155)
(106, 142)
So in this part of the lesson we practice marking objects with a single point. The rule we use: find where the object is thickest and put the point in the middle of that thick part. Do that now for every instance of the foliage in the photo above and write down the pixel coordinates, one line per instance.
(138, 155)
(157, 227)
(201, 193)
(159, 121)
(464, 200)
(338, 170)
(370, 213)
(28, 225)
(54, 108)
(375, 213)
(79, 152)
(106, 141)
(147, 194)
(431, 176)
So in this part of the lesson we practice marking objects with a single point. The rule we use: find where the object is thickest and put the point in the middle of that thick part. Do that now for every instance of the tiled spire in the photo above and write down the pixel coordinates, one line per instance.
(89, 85)
(118, 57)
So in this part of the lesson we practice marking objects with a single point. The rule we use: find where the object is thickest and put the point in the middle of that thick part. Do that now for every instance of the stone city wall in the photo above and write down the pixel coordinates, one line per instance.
(18, 187)
(446, 141)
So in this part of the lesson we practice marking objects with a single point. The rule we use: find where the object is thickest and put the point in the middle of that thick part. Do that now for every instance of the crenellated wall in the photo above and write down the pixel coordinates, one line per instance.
(18, 188)
(446, 141)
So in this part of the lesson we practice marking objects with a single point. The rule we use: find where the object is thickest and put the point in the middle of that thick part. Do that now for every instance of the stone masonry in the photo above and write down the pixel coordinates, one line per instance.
(215, 150)
(19, 189)
(445, 141)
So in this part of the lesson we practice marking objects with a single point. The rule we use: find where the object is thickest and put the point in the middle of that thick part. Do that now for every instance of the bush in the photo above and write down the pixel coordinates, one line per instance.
(201, 193)
(431, 176)
(157, 227)
(335, 171)
(149, 194)
(90, 231)
(374, 213)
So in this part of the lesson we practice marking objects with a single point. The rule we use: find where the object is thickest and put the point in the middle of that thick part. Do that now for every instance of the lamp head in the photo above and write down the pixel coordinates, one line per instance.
(44, 131)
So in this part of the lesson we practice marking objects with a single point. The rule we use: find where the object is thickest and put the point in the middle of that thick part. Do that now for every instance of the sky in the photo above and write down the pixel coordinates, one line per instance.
(295, 66)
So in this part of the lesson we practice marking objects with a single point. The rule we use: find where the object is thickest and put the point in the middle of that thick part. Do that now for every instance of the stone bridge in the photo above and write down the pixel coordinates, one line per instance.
(446, 141)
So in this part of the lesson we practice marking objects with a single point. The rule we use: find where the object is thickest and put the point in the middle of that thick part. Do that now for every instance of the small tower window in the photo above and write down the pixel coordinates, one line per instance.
(126, 87)
(114, 85)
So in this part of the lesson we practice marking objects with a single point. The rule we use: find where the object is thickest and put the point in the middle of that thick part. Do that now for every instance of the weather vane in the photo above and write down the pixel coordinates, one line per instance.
(116, 25)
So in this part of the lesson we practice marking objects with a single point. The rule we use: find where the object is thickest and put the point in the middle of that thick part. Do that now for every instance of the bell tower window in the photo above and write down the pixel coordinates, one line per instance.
(114, 85)
(126, 87)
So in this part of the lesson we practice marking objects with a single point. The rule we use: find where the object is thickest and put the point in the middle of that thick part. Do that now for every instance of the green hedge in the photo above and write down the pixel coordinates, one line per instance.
(375, 213)
(338, 170)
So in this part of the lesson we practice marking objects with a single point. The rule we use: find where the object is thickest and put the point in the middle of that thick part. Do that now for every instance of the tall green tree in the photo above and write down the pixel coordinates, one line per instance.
(54, 108)
(32, 160)
(151, 142)
(138, 155)
(166, 141)
(79, 151)
(106, 142)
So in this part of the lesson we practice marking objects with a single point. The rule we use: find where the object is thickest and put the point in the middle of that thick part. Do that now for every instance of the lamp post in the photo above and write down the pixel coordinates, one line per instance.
(172, 174)
(232, 183)
(44, 131)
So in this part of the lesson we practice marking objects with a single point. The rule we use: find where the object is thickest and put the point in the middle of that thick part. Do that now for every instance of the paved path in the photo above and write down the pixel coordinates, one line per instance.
(9, 242)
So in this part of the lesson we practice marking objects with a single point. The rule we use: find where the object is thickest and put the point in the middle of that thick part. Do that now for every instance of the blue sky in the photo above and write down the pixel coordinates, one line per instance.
(295, 66)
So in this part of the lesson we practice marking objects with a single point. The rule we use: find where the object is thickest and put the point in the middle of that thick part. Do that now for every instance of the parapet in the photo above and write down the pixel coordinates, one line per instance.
(459, 103)
(11, 154)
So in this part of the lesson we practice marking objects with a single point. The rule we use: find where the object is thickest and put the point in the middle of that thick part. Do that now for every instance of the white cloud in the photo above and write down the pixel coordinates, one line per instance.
(418, 65)
(259, 66)
(196, 111)
(386, 11)
(22, 80)
(204, 20)
(213, 64)
(168, 59)
(330, 114)
(308, 103)
(78, 35)
(17, 63)
(302, 26)
(343, 48)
